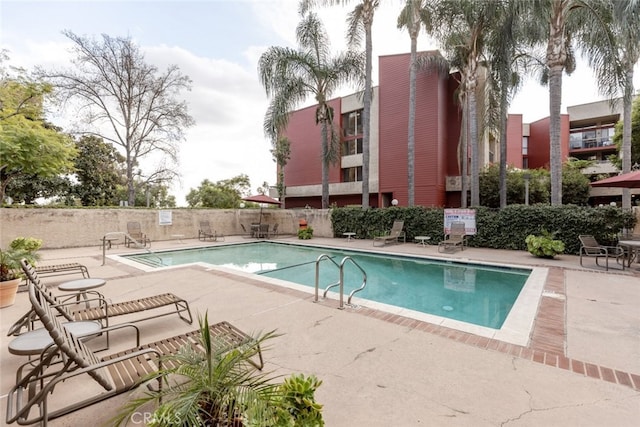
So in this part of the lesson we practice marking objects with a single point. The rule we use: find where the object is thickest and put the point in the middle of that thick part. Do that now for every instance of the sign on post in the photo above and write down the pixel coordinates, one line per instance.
(468, 216)
(164, 217)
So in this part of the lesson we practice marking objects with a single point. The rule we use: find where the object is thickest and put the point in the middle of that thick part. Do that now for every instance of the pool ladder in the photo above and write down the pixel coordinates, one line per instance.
(341, 281)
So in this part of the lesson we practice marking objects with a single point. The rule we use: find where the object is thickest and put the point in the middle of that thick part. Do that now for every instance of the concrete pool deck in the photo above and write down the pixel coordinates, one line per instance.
(580, 367)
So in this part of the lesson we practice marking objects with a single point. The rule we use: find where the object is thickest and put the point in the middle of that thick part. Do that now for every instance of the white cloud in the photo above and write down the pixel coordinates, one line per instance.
(227, 104)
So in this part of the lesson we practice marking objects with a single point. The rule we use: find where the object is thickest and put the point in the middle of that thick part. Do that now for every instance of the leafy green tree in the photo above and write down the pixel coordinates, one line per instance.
(127, 102)
(28, 145)
(490, 183)
(264, 188)
(28, 188)
(575, 185)
(99, 170)
(149, 195)
(225, 194)
(290, 76)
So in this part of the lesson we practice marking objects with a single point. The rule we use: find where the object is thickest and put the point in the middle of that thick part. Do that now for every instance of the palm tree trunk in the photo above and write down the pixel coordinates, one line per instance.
(412, 119)
(626, 134)
(325, 164)
(503, 147)
(366, 119)
(555, 153)
(473, 139)
(556, 60)
(464, 155)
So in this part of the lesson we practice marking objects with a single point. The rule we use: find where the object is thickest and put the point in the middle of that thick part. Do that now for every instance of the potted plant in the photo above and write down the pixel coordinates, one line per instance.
(221, 387)
(10, 268)
(545, 245)
(305, 233)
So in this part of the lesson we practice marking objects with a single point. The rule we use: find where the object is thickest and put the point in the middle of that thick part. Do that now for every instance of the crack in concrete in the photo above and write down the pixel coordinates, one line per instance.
(550, 408)
(359, 355)
(320, 321)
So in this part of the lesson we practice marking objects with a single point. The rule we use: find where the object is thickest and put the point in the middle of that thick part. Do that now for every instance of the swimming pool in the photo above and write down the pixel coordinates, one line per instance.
(479, 295)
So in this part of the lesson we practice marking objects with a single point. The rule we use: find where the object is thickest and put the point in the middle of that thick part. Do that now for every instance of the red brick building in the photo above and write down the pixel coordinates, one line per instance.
(437, 135)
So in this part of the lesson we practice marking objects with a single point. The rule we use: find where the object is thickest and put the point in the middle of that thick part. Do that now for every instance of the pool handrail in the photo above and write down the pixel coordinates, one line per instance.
(320, 258)
(364, 278)
(341, 281)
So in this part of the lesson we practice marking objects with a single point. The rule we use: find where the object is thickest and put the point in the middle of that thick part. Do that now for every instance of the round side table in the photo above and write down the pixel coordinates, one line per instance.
(422, 239)
(32, 343)
(349, 235)
(81, 286)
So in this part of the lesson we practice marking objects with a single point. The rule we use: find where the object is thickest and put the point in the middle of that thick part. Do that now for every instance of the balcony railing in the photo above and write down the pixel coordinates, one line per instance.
(579, 144)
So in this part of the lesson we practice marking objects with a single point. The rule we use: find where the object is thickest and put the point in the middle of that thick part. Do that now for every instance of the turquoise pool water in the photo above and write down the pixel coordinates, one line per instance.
(472, 293)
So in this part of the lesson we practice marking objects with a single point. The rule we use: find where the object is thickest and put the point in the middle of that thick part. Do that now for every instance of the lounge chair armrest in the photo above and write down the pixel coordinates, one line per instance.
(67, 302)
(69, 299)
(26, 321)
(600, 249)
(113, 328)
(618, 250)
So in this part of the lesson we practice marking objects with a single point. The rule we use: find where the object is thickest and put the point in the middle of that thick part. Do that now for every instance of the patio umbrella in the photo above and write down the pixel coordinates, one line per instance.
(262, 199)
(625, 180)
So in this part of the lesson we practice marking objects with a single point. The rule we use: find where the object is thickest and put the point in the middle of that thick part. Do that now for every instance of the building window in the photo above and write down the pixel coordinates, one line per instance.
(575, 140)
(352, 174)
(591, 137)
(525, 145)
(352, 123)
(351, 133)
(351, 146)
(607, 136)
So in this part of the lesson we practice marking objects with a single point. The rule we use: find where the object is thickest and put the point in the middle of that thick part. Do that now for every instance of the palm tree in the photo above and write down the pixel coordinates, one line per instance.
(218, 384)
(412, 17)
(361, 18)
(506, 59)
(559, 21)
(290, 76)
(613, 56)
(460, 26)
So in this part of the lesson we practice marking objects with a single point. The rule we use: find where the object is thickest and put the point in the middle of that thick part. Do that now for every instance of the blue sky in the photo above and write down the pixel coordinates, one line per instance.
(217, 43)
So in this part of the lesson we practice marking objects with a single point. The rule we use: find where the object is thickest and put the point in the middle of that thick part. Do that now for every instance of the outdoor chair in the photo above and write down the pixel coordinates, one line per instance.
(116, 373)
(393, 235)
(205, 232)
(263, 231)
(102, 310)
(456, 238)
(274, 232)
(61, 269)
(135, 236)
(590, 248)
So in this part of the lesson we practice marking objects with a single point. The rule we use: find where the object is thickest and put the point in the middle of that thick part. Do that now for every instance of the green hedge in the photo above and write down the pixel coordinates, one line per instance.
(497, 228)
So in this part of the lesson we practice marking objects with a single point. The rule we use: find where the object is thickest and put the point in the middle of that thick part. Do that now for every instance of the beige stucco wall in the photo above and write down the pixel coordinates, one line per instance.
(63, 228)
